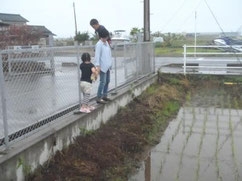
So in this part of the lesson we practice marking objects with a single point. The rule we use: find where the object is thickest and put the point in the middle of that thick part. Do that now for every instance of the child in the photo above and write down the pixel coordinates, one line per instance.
(89, 74)
(99, 28)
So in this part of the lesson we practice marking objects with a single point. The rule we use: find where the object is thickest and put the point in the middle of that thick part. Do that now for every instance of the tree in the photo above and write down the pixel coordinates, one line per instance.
(82, 37)
(19, 35)
(134, 31)
(167, 40)
(157, 34)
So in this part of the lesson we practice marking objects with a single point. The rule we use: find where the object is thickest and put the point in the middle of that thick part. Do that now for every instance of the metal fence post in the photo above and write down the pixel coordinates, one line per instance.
(125, 70)
(9, 64)
(185, 59)
(52, 61)
(78, 72)
(137, 59)
(115, 65)
(153, 47)
(4, 104)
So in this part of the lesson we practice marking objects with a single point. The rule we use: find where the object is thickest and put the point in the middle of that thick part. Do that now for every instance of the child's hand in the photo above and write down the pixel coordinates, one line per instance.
(93, 77)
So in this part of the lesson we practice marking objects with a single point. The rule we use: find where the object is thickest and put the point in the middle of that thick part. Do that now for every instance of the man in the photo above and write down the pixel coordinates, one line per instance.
(98, 28)
(103, 63)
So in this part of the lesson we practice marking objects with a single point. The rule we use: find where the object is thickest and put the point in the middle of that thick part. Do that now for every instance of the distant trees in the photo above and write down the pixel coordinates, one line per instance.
(134, 33)
(157, 34)
(82, 37)
(18, 35)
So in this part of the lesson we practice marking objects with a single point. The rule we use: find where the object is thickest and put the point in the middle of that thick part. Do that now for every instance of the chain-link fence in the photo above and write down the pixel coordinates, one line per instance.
(38, 86)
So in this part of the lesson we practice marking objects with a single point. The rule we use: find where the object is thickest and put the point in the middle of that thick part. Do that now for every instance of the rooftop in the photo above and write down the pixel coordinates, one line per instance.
(41, 29)
(12, 18)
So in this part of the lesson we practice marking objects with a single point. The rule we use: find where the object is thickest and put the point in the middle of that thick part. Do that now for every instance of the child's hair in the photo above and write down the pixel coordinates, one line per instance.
(86, 57)
(93, 22)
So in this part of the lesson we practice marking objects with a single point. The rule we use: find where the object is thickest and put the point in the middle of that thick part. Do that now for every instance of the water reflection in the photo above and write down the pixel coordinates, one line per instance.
(202, 143)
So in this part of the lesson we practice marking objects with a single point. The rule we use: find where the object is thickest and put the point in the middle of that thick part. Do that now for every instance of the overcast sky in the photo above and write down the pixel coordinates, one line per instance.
(166, 15)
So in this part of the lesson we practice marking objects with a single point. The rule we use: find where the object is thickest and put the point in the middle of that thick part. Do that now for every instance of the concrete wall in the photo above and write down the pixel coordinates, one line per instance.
(28, 154)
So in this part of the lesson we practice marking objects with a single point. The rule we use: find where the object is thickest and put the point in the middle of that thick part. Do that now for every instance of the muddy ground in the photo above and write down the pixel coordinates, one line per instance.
(114, 151)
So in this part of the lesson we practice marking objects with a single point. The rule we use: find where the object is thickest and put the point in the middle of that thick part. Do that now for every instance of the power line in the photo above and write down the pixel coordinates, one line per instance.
(214, 17)
(174, 15)
(189, 16)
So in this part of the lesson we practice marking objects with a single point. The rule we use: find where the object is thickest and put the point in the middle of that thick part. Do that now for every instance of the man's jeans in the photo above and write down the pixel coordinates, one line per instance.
(103, 85)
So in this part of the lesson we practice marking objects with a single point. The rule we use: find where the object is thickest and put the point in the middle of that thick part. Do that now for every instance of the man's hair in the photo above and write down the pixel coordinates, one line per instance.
(93, 22)
(86, 57)
(103, 33)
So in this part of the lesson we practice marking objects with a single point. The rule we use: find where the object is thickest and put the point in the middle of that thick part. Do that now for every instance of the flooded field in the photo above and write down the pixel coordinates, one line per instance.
(203, 142)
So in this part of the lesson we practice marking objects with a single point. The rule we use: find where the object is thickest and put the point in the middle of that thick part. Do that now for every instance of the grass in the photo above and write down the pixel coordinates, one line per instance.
(200, 146)
(217, 150)
(185, 144)
(178, 51)
(237, 177)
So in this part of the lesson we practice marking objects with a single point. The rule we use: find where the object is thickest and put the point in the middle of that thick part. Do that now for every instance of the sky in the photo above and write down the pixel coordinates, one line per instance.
(166, 15)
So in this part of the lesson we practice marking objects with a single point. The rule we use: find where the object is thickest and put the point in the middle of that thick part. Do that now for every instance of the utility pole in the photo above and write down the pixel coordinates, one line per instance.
(146, 20)
(195, 39)
(75, 18)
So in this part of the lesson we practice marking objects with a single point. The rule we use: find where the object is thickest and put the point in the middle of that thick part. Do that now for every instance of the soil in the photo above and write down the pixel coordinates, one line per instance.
(114, 151)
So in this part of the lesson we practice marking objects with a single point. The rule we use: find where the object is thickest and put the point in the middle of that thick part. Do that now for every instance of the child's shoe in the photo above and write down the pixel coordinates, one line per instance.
(91, 108)
(85, 110)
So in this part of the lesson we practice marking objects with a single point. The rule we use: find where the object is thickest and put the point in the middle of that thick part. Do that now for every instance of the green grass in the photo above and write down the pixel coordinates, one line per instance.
(178, 51)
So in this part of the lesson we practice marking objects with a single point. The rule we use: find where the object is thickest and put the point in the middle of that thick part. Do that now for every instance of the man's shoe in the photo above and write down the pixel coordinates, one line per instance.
(101, 101)
(106, 99)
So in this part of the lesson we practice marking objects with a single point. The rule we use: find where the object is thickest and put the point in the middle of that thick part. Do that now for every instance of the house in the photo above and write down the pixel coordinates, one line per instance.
(9, 20)
(12, 19)
(46, 34)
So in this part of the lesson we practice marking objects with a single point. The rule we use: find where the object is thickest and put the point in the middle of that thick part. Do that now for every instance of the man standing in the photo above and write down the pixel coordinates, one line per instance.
(103, 62)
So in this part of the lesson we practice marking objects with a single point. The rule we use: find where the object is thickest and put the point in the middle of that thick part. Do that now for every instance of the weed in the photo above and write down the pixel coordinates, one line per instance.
(200, 145)
(84, 132)
(233, 149)
(217, 150)
(26, 168)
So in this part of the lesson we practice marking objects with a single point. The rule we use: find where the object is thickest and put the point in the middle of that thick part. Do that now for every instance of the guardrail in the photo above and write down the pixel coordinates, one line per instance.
(230, 49)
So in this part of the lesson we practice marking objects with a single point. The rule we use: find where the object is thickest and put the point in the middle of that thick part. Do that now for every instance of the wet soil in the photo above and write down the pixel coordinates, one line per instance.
(114, 151)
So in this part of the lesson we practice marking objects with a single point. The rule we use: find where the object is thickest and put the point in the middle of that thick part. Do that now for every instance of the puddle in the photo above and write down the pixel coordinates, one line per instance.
(202, 143)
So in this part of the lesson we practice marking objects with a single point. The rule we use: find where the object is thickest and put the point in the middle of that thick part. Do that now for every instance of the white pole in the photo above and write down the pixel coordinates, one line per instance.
(185, 59)
(75, 18)
(78, 72)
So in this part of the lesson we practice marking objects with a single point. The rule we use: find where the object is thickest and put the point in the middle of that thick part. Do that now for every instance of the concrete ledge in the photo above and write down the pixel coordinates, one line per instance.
(28, 154)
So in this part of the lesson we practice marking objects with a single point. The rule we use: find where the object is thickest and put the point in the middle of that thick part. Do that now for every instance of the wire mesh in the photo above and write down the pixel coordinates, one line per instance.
(43, 84)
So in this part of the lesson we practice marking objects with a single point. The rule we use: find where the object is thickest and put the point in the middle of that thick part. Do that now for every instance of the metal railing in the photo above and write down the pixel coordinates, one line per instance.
(38, 87)
(229, 51)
